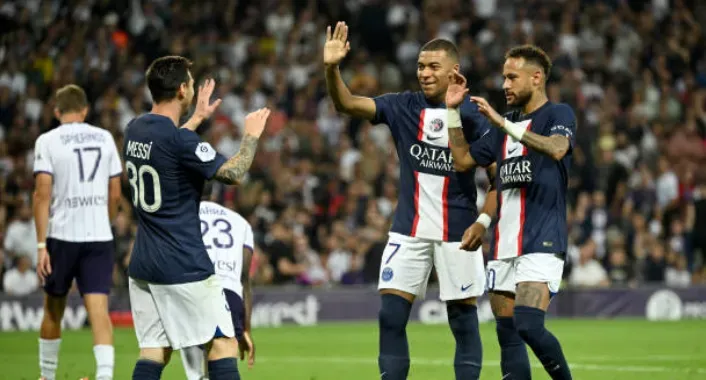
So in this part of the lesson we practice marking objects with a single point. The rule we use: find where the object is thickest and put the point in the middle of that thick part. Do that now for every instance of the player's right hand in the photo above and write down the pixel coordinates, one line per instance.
(337, 45)
(204, 107)
(473, 237)
(43, 265)
(457, 89)
(246, 344)
(255, 122)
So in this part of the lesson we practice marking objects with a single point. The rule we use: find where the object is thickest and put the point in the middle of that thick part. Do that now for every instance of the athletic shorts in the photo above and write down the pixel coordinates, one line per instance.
(504, 275)
(90, 263)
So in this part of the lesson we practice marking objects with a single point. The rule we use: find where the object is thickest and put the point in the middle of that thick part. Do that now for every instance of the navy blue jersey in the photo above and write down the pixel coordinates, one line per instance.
(166, 168)
(531, 185)
(435, 202)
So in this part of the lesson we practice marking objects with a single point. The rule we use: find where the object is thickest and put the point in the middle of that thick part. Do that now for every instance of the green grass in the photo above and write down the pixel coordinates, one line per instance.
(596, 349)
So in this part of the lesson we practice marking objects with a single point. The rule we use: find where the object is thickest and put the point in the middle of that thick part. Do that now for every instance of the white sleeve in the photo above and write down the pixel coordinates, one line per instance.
(116, 167)
(42, 159)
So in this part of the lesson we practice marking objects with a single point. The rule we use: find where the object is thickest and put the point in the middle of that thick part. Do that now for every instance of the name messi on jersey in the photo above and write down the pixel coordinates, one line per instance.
(515, 171)
(139, 150)
(432, 157)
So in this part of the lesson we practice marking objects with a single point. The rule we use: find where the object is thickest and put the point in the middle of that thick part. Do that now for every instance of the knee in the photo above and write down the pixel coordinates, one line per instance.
(528, 325)
(461, 315)
(394, 312)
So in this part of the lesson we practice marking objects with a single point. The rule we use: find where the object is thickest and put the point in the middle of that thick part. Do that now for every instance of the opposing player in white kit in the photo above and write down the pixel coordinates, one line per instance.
(436, 204)
(229, 241)
(77, 190)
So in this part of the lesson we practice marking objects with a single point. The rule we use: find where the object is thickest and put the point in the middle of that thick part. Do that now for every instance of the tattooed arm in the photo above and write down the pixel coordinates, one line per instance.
(458, 144)
(554, 146)
(233, 170)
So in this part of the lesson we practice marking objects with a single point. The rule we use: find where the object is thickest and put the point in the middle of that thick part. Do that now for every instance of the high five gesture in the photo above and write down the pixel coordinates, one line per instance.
(337, 45)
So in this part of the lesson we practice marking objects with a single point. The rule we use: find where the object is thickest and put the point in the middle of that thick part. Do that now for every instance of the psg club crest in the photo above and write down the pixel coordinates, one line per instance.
(387, 274)
(437, 125)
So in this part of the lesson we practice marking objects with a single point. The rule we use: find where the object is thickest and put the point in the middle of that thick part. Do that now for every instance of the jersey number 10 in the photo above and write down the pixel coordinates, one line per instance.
(136, 178)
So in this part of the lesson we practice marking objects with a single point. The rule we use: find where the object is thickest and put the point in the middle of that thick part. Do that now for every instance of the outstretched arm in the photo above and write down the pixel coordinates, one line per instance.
(233, 170)
(335, 50)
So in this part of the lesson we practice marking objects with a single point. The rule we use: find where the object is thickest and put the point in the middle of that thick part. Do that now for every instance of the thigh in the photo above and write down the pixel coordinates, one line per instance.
(237, 312)
(94, 272)
(148, 323)
(461, 273)
(63, 257)
(193, 313)
(406, 264)
(538, 279)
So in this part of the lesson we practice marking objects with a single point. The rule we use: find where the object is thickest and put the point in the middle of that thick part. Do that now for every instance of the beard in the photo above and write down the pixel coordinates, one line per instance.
(521, 98)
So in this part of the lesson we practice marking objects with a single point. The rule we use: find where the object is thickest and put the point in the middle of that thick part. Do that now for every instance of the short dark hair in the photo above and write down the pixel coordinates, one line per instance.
(71, 98)
(532, 54)
(165, 75)
(438, 44)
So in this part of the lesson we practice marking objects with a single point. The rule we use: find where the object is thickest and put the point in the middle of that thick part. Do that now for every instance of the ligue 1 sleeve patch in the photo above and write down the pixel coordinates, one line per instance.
(205, 152)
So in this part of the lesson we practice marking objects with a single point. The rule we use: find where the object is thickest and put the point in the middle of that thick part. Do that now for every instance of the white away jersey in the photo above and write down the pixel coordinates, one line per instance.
(226, 234)
(81, 159)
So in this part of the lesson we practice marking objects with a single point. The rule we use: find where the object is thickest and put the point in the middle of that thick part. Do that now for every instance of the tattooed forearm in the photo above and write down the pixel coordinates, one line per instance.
(457, 138)
(234, 169)
(554, 146)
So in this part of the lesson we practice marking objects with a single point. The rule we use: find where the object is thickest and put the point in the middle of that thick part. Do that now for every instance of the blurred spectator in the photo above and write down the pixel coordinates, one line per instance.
(22, 279)
(588, 272)
(21, 237)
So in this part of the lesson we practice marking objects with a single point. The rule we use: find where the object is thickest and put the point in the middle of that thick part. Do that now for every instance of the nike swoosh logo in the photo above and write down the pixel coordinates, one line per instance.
(432, 138)
(383, 374)
(485, 133)
(511, 151)
(464, 288)
(505, 377)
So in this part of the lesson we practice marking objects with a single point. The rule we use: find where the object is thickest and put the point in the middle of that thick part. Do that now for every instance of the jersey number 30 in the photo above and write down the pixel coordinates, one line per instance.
(136, 178)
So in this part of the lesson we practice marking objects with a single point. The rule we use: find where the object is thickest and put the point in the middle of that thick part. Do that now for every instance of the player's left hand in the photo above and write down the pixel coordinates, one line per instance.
(473, 237)
(488, 111)
(246, 344)
(204, 107)
(457, 89)
(43, 265)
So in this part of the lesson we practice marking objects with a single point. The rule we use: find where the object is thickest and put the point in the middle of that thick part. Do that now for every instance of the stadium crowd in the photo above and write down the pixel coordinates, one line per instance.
(323, 187)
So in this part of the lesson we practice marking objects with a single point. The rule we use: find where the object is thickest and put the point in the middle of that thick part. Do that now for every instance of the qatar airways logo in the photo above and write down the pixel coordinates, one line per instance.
(432, 157)
(516, 171)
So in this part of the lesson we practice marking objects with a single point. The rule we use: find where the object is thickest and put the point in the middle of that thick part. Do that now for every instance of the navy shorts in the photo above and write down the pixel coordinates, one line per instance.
(90, 263)
(237, 312)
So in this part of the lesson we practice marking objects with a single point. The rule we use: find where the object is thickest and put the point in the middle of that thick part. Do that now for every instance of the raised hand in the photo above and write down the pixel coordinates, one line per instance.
(488, 111)
(255, 122)
(337, 45)
(204, 107)
(457, 90)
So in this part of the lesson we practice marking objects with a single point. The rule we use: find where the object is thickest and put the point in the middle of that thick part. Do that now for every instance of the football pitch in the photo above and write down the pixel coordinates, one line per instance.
(596, 349)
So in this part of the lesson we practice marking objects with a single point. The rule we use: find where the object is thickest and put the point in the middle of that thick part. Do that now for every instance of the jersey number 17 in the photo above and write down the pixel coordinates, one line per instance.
(136, 178)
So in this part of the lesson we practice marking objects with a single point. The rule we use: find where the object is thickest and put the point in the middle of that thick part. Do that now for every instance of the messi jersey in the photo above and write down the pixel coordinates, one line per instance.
(435, 202)
(531, 186)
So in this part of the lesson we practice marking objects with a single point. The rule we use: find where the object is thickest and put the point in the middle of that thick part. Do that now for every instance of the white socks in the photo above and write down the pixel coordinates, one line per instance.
(48, 357)
(105, 359)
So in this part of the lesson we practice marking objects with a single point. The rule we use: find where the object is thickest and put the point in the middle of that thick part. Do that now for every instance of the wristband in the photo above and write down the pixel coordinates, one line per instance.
(484, 220)
(515, 130)
(454, 118)
(41, 245)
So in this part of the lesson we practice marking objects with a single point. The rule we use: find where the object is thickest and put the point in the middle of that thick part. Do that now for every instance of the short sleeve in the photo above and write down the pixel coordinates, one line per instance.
(564, 123)
(42, 159)
(197, 155)
(475, 125)
(116, 167)
(384, 108)
(249, 240)
(483, 149)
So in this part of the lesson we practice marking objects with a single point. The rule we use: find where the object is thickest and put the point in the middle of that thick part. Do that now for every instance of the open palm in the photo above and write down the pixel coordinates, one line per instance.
(456, 90)
(337, 45)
